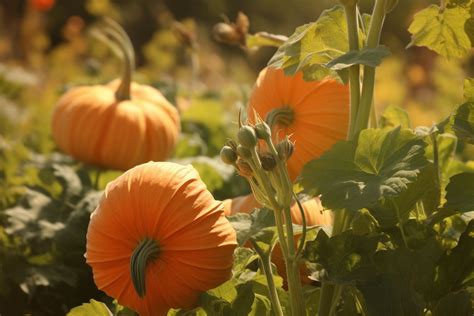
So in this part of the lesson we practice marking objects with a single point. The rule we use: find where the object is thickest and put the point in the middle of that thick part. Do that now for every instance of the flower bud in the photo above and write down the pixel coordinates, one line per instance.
(247, 137)
(244, 168)
(263, 131)
(228, 155)
(268, 161)
(226, 33)
(285, 149)
(231, 143)
(244, 153)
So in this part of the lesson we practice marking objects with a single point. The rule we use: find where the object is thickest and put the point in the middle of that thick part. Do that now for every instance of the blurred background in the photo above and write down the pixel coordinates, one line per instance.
(45, 49)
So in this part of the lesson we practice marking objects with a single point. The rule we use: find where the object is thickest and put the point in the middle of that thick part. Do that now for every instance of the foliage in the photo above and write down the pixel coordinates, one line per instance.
(407, 191)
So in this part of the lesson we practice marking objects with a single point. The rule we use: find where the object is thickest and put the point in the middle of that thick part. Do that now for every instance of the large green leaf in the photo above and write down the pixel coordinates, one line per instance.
(313, 45)
(463, 124)
(441, 30)
(93, 308)
(380, 163)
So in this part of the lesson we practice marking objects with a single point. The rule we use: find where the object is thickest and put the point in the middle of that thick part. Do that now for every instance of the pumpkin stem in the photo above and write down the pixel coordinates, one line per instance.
(116, 37)
(146, 251)
(283, 116)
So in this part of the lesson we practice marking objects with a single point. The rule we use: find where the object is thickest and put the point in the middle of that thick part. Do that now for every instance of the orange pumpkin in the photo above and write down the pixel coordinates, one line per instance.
(189, 242)
(42, 5)
(315, 114)
(118, 125)
(314, 215)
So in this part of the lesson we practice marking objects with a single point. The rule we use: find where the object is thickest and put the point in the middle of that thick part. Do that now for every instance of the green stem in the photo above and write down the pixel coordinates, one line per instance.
(146, 251)
(354, 71)
(304, 224)
(400, 223)
(97, 178)
(293, 270)
(266, 266)
(434, 140)
(373, 38)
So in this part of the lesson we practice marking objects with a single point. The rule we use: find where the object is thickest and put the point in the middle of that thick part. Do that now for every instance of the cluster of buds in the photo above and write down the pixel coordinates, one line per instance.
(263, 164)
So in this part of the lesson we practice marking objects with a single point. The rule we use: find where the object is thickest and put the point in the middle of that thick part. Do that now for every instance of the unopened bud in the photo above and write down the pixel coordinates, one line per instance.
(247, 137)
(228, 155)
(226, 33)
(285, 149)
(244, 152)
(263, 131)
(268, 161)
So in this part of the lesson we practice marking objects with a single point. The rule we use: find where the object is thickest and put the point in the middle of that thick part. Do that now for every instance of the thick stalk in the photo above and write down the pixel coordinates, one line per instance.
(378, 17)
(292, 270)
(266, 266)
(354, 71)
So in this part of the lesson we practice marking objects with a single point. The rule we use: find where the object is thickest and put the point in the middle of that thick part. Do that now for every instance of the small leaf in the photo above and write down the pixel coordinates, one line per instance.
(366, 56)
(460, 193)
(257, 226)
(441, 30)
(463, 124)
(394, 116)
(94, 308)
(242, 304)
(358, 174)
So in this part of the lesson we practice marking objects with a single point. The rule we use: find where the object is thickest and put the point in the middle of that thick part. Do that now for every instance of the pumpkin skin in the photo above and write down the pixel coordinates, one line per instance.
(170, 204)
(314, 214)
(91, 126)
(42, 5)
(321, 112)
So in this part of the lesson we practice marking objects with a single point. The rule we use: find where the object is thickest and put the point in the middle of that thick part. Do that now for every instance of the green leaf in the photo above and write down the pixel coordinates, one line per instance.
(345, 257)
(460, 193)
(463, 124)
(469, 89)
(455, 303)
(389, 210)
(242, 304)
(258, 226)
(366, 56)
(380, 163)
(455, 266)
(261, 306)
(394, 116)
(441, 31)
(93, 308)
(313, 45)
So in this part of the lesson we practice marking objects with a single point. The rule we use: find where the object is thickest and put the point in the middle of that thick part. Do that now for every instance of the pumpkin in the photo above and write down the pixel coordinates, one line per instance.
(159, 221)
(315, 114)
(314, 215)
(118, 125)
(42, 5)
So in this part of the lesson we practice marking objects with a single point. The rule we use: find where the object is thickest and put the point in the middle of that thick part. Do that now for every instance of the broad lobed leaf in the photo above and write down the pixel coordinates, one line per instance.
(358, 174)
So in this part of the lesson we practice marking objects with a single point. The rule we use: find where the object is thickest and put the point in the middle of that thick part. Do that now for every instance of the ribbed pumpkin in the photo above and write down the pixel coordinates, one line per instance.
(315, 114)
(159, 221)
(314, 215)
(118, 125)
